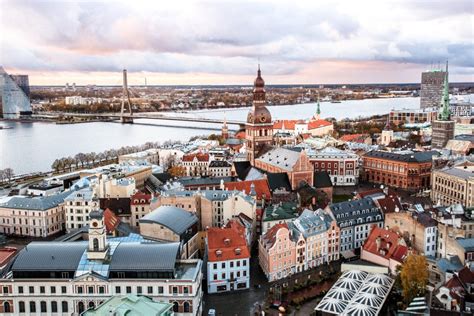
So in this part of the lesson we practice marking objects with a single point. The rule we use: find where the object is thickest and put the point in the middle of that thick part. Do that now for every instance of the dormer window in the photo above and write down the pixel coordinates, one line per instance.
(218, 252)
(238, 251)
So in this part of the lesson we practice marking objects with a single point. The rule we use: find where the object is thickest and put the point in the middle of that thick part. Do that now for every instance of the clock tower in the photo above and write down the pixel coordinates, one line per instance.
(259, 126)
(98, 247)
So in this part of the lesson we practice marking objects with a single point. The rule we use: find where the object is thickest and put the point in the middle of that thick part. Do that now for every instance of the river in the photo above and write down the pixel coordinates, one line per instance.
(31, 147)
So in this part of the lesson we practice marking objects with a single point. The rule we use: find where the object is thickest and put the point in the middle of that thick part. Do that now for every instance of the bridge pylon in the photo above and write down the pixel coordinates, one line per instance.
(126, 117)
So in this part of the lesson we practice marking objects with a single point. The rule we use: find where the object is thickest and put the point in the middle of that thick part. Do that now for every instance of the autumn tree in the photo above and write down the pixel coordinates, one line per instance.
(413, 277)
(177, 171)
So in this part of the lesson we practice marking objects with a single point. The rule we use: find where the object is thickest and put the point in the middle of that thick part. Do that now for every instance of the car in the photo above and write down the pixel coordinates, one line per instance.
(212, 312)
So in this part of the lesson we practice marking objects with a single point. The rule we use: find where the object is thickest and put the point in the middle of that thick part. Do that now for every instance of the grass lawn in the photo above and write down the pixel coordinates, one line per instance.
(336, 198)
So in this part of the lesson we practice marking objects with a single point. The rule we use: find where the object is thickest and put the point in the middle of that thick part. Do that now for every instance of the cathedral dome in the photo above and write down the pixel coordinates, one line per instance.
(259, 115)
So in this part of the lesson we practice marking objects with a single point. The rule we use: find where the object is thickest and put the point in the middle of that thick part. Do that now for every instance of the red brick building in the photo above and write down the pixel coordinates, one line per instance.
(342, 166)
(407, 170)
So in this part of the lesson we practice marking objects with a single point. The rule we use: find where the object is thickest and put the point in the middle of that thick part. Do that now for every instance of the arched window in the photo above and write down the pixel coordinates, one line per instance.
(91, 305)
(95, 243)
(32, 307)
(21, 307)
(6, 307)
(64, 307)
(80, 307)
(175, 307)
(186, 307)
(43, 307)
(54, 307)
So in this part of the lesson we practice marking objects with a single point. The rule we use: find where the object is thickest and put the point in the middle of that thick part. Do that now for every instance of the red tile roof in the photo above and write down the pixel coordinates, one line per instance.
(314, 124)
(287, 124)
(270, 235)
(262, 188)
(355, 138)
(240, 135)
(140, 198)
(389, 204)
(199, 156)
(111, 221)
(388, 246)
(6, 254)
(226, 244)
(466, 275)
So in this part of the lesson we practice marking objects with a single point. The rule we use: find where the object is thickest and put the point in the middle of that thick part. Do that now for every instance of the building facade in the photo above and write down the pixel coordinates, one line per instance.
(453, 185)
(196, 165)
(77, 207)
(413, 116)
(139, 207)
(431, 88)
(406, 170)
(342, 166)
(228, 260)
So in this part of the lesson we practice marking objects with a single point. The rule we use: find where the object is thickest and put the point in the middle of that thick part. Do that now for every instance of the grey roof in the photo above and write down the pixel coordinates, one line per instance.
(144, 256)
(281, 157)
(466, 243)
(219, 164)
(85, 194)
(189, 181)
(349, 212)
(457, 172)
(424, 156)
(176, 219)
(49, 256)
(38, 203)
(311, 223)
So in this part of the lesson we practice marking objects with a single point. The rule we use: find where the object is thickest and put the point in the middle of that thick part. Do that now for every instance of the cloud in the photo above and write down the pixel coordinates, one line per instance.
(228, 37)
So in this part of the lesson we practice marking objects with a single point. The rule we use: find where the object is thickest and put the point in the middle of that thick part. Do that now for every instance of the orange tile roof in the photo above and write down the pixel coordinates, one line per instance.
(313, 124)
(111, 220)
(262, 187)
(270, 235)
(240, 135)
(389, 247)
(223, 244)
(6, 254)
(199, 156)
(357, 138)
(288, 124)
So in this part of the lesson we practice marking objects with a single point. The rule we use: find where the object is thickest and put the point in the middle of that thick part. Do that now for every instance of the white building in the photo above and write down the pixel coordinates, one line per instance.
(77, 207)
(228, 266)
(342, 166)
(66, 278)
(220, 168)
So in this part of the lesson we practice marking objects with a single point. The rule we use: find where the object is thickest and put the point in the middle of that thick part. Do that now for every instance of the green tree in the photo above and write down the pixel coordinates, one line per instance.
(413, 277)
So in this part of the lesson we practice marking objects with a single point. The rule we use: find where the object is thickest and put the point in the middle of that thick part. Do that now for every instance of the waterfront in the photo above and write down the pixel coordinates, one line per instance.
(31, 147)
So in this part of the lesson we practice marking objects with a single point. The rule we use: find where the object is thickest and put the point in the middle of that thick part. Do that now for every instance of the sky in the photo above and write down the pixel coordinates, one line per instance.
(221, 42)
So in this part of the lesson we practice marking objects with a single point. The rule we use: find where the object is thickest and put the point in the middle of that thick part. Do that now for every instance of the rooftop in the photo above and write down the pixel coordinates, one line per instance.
(424, 156)
(226, 244)
(130, 305)
(281, 157)
(174, 218)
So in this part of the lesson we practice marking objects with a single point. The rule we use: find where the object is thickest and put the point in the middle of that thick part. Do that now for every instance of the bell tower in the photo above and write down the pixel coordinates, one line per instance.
(98, 247)
(259, 125)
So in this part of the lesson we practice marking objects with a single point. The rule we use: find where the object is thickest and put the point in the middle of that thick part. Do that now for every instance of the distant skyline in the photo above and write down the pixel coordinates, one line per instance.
(221, 42)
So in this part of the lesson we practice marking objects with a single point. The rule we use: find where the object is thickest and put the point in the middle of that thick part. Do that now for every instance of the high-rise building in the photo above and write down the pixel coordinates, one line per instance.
(431, 88)
(15, 91)
(259, 126)
(443, 127)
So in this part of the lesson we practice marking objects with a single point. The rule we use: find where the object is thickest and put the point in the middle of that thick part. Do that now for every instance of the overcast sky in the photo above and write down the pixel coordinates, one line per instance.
(221, 42)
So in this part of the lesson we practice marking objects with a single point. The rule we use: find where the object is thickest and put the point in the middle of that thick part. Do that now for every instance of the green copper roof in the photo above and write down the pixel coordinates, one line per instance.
(444, 113)
(286, 210)
(131, 305)
(318, 111)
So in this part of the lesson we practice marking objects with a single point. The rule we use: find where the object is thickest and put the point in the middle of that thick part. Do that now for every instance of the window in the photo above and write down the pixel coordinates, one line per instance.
(53, 290)
(215, 276)
(117, 290)
(215, 265)
(101, 290)
(245, 263)
(90, 289)
(129, 289)
(32, 307)
(232, 264)
(5, 290)
(6, 307)
(54, 307)
(175, 290)
(80, 289)
(64, 307)
(63, 289)
(31, 289)
(175, 307)
(186, 290)
(150, 290)
(139, 290)
(160, 290)
(20, 289)
(21, 306)
(186, 307)
(43, 307)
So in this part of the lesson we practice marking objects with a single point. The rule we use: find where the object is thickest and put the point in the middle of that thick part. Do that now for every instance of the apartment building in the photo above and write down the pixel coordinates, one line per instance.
(454, 185)
(341, 165)
(77, 207)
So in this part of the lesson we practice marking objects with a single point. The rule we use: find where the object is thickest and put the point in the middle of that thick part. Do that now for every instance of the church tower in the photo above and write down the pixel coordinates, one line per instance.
(225, 130)
(259, 126)
(317, 116)
(98, 248)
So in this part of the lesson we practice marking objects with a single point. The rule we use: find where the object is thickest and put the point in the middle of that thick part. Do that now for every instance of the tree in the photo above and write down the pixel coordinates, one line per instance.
(177, 171)
(413, 277)
(56, 165)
